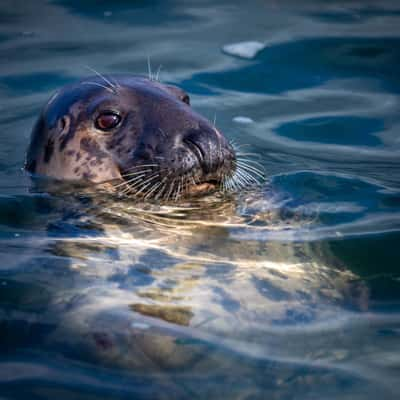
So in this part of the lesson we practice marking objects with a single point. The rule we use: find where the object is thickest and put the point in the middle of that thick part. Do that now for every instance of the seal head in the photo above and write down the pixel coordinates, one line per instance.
(129, 129)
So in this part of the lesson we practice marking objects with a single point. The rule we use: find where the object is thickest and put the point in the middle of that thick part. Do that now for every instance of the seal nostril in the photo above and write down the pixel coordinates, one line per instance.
(195, 148)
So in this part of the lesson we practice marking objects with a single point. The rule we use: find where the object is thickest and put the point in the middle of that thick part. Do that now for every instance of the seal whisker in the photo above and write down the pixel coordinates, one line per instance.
(171, 190)
(123, 184)
(244, 179)
(134, 175)
(248, 181)
(138, 182)
(238, 184)
(251, 176)
(226, 183)
(185, 184)
(240, 154)
(183, 178)
(230, 184)
(223, 188)
(164, 183)
(223, 184)
(115, 82)
(112, 86)
(250, 168)
(152, 189)
(241, 145)
(246, 176)
(168, 193)
(151, 176)
(141, 166)
(178, 190)
(165, 188)
(236, 187)
(134, 179)
(254, 172)
(161, 190)
(129, 187)
(249, 161)
(137, 172)
(158, 73)
(233, 182)
(147, 183)
(149, 68)
(137, 179)
(176, 193)
(100, 85)
(238, 146)
(126, 190)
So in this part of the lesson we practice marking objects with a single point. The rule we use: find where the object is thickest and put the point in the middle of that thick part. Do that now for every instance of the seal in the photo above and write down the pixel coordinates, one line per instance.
(138, 133)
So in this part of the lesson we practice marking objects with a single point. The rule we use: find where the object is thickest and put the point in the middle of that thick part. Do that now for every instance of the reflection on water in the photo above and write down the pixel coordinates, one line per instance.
(287, 291)
(171, 291)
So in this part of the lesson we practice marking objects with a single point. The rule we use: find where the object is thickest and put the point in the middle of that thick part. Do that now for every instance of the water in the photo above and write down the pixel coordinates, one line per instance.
(288, 291)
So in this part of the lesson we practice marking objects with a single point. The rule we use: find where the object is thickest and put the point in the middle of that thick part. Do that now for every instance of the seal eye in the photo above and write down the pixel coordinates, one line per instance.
(107, 120)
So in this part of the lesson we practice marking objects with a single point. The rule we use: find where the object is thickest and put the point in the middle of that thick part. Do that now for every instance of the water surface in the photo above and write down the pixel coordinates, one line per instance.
(288, 291)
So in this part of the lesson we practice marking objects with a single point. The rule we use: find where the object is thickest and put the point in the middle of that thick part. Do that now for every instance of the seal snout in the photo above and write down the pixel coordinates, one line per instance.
(192, 162)
(210, 150)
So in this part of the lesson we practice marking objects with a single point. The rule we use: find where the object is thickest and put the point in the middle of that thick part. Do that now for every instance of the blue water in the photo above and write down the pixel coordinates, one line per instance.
(289, 291)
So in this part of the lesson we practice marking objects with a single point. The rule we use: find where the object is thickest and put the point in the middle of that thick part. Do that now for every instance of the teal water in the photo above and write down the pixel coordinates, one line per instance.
(289, 291)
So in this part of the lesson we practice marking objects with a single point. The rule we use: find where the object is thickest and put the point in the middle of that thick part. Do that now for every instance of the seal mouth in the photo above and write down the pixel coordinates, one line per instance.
(202, 188)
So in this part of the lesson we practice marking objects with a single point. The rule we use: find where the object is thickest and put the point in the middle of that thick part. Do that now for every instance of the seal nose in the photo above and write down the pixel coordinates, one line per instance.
(198, 150)
(207, 147)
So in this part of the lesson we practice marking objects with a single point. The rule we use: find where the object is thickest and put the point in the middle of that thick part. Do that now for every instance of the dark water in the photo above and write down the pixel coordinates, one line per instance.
(291, 291)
